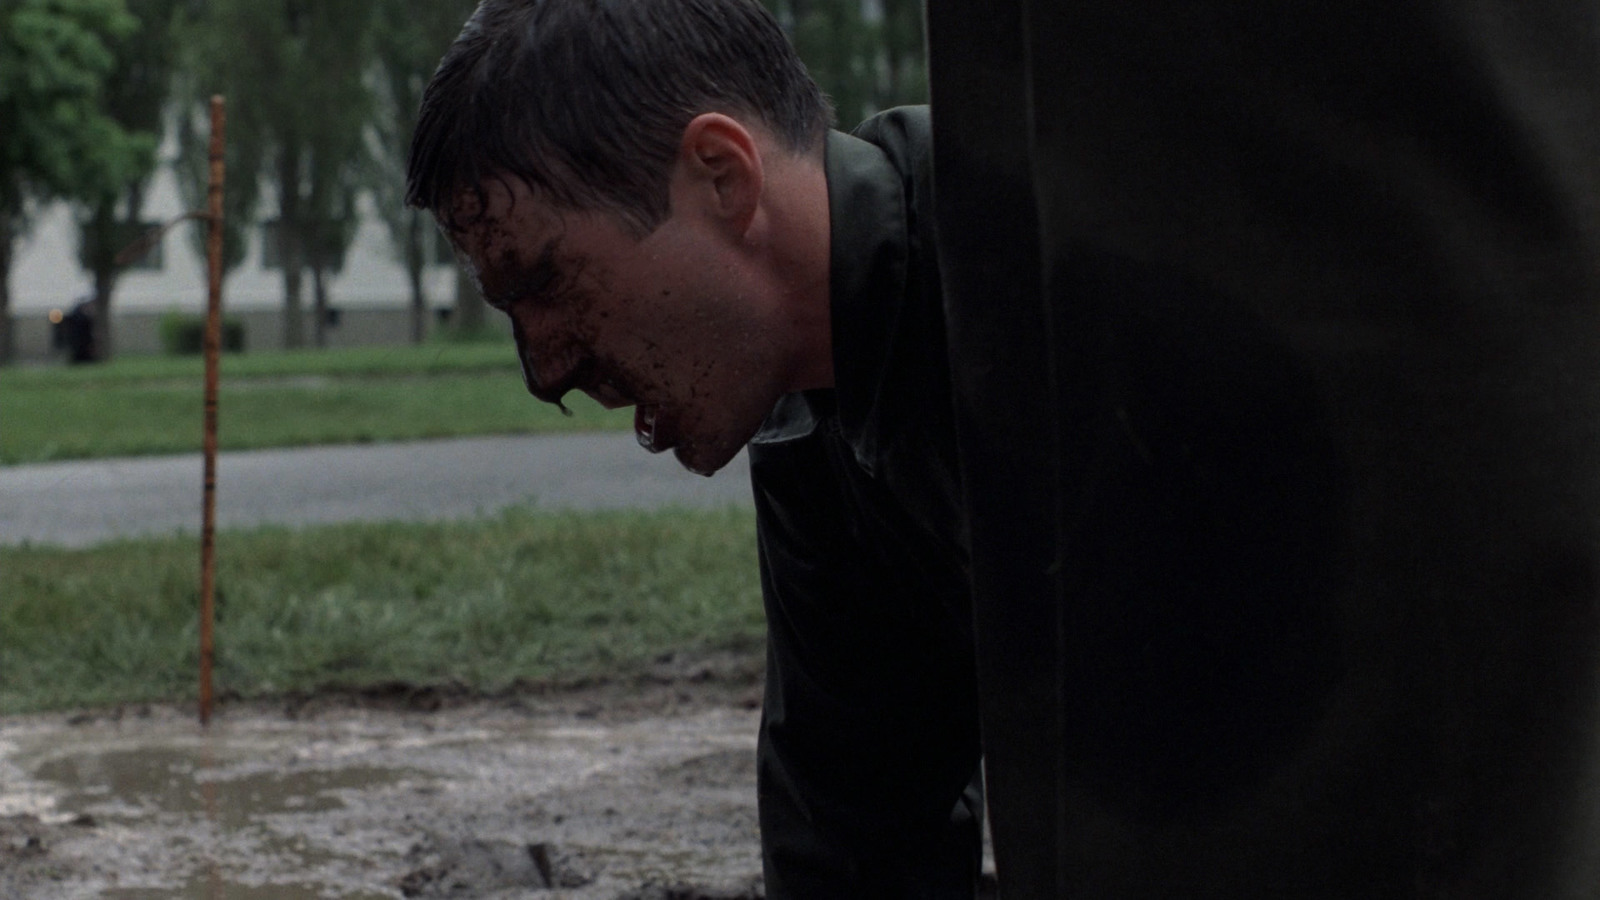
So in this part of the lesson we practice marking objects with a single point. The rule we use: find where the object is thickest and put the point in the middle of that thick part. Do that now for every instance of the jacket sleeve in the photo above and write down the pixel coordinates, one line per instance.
(869, 745)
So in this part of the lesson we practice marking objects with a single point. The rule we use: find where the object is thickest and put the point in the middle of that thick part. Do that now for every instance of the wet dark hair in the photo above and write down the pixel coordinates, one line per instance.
(586, 100)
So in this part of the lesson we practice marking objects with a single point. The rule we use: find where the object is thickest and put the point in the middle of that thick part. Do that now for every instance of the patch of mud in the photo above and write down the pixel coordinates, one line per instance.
(21, 838)
(640, 790)
(473, 868)
(655, 892)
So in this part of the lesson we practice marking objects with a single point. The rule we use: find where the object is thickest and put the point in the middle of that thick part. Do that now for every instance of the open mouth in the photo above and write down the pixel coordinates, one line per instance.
(644, 429)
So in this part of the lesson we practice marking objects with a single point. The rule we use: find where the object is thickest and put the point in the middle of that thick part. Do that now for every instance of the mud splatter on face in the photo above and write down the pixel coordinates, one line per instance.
(663, 322)
(544, 294)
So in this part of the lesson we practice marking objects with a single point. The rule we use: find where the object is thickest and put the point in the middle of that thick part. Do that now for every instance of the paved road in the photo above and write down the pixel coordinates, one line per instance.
(81, 503)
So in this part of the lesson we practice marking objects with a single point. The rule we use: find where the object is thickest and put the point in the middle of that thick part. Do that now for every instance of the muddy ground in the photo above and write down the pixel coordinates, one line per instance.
(630, 790)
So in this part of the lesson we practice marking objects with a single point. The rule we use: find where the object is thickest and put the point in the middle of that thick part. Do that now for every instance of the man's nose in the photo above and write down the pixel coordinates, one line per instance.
(530, 369)
(551, 387)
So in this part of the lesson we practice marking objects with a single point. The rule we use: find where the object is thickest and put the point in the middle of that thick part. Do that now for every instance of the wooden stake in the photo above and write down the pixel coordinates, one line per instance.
(213, 350)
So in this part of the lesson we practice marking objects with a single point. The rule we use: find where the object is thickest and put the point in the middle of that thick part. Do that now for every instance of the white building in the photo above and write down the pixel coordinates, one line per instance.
(370, 294)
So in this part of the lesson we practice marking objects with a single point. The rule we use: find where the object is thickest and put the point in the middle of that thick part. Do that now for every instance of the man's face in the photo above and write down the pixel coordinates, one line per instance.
(673, 324)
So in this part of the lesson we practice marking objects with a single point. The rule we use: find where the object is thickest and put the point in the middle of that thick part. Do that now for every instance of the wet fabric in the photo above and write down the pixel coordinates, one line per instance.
(869, 739)
(1314, 609)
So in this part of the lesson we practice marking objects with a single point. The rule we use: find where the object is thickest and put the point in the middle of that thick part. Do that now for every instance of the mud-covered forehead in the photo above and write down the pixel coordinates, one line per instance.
(494, 214)
(513, 245)
(468, 205)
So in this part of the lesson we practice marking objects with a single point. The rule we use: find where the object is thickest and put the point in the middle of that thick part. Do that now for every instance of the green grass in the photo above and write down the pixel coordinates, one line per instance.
(357, 361)
(152, 405)
(526, 595)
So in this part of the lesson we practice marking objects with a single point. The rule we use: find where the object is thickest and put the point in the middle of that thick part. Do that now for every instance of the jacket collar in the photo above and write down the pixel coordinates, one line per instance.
(867, 275)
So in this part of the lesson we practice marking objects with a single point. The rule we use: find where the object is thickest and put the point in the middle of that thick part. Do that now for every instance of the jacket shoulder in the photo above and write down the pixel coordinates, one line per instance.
(904, 127)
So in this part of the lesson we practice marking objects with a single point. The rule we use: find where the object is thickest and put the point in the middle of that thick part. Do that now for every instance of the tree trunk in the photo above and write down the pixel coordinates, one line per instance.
(319, 300)
(290, 248)
(293, 327)
(105, 282)
(108, 238)
(414, 268)
(7, 236)
(889, 34)
(471, 311)
(97, 236)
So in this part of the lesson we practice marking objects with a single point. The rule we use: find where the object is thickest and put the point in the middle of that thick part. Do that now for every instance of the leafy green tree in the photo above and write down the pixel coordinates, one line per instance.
(293, 72)
(867, 56)
(204, 71)
(838, 45)
(135, 96)
(56, 141)
(904, 76)
(361, 64)
(410, 38)
(336, 42)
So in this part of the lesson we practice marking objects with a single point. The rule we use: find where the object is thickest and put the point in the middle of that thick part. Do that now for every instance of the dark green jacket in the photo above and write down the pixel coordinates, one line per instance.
(870, 731)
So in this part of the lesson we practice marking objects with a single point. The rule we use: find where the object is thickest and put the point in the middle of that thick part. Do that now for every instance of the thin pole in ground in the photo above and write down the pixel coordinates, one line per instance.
(213, 349)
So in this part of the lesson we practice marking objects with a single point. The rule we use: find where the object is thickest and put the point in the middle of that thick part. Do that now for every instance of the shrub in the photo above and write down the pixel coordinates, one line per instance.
(183, 334)
(487, 333)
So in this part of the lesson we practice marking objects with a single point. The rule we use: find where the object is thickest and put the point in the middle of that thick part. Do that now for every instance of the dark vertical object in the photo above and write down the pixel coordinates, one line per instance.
(989, 247)
(1319, 293)
(213, 352)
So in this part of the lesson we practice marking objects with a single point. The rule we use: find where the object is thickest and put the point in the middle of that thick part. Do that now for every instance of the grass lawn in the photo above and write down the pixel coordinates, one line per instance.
(524, 595)
(152, 405)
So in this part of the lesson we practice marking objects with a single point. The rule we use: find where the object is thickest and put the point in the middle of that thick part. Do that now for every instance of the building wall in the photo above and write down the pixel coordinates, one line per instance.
(371, 292)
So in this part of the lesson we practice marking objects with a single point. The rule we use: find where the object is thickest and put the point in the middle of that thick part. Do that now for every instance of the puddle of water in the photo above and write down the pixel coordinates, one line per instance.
(132, 784)
(126, 784)
(309, 811)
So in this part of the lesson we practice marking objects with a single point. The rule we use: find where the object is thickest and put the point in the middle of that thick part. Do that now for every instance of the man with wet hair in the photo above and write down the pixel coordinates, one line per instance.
(649, 189)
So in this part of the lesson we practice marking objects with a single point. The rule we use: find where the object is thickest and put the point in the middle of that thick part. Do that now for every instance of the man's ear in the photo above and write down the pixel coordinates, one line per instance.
(720, 162)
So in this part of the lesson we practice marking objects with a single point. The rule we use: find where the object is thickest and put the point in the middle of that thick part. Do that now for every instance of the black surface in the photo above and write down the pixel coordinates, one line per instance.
(1299, 596)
